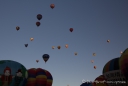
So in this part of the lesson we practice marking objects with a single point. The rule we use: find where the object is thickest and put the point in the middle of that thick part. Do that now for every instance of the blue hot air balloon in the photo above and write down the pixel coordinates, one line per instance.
(45, 57)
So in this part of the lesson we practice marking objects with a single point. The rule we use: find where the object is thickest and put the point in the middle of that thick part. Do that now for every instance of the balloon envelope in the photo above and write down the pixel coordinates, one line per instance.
(38, 24)
(52, 6)
(31, 39)
(39, 16)
(123, 63)
(59, 47)
(71, 29)
(12, 67)
(26, 45)
(45, 57)
(39, 77)
(112, 72)
(66, 45)
(17, 28)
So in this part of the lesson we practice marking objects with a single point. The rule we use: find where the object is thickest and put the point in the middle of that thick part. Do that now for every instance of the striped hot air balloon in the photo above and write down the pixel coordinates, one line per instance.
(49, 78)
(31, 81)
(41, 78)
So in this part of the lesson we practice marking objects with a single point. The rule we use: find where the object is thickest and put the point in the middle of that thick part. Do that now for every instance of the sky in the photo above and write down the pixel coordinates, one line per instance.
(94, 22)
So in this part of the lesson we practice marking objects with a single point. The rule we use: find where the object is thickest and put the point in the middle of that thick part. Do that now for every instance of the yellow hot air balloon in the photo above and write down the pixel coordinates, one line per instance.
(94, 54)
(31, 39)
(66, 45)
(53, 47)
(75, 53)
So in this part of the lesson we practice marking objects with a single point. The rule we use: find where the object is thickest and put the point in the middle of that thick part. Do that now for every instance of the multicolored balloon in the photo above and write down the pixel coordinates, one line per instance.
(39, 77)
(49, 78)
(112, 68)
(123, 63)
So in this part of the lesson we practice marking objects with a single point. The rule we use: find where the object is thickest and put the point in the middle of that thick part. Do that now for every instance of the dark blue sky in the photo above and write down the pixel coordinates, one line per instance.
(94, 22)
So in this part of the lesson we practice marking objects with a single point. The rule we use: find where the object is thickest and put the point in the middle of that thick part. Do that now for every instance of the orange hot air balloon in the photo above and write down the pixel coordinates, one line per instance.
(31, 39)
(66, 45)
(108, 41)
(94, 67)
(53, 47)
(92, 61)
(17, 28)
(52, 6)
(37, 61)
(94, 54)
(75, 53)
(59, 47)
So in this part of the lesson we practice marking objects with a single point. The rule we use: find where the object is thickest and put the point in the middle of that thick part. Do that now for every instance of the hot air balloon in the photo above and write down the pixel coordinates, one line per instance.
(39, 77)
(59, 47)
(94, 67)
(38, 24)
(49, 78)
(94, 54)
(31, 81)
(123, 64)
(100, 81)
(45, 57)
(52, 6)
(39, 16)
(66, 45)
(37, 61)
(26, 45)
(17, 28)
(92, 61)
(71, 29)
(7, 66)
(108, 41)
(121, 52)
(31, 39)
(75, 53)
(53, 47)
(112, 68)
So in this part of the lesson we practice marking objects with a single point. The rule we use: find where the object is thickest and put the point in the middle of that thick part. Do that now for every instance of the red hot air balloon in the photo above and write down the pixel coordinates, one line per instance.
(52, 6)
(71, 29)
(39, 16)
(38, 24)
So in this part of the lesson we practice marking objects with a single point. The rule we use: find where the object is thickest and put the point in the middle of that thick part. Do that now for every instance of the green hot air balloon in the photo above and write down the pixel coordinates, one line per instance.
(45, 57)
